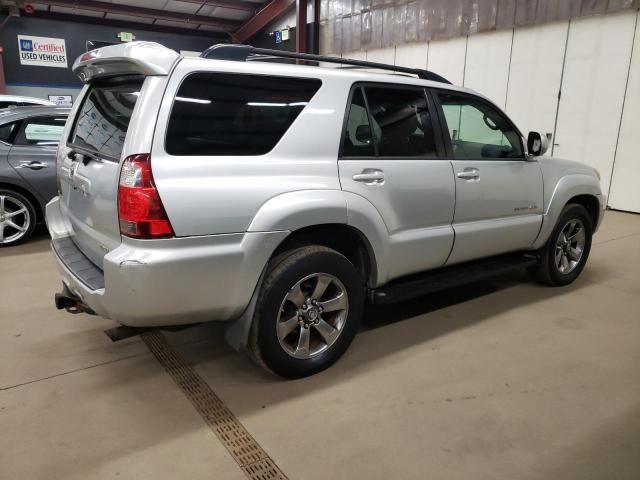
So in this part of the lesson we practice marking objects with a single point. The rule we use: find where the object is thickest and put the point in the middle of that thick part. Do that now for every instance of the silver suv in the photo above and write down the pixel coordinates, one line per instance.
(281, 197)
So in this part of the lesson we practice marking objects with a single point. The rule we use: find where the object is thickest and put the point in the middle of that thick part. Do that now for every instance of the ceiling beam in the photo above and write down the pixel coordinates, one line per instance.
(115, 8)
(272, 11)
(231, 4)
(133, 25)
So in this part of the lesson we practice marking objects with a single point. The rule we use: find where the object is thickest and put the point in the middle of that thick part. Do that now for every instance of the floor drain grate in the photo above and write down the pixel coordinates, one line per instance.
(252, 459)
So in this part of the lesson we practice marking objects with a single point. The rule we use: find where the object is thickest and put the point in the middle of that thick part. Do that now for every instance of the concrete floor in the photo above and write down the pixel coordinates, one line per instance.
(505, 379)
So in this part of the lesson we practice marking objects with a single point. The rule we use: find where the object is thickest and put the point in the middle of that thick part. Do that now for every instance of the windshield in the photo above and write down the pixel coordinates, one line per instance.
(104, 116)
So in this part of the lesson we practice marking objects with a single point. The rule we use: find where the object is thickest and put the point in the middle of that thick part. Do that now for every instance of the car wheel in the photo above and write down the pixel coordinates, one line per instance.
(307, 313)
(567, 249)
(17, 218)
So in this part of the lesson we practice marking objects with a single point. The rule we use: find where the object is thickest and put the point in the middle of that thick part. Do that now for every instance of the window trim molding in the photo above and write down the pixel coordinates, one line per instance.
(435, 92)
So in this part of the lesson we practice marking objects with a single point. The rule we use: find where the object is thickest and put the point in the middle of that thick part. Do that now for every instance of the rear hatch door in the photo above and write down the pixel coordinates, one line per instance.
(89, 163)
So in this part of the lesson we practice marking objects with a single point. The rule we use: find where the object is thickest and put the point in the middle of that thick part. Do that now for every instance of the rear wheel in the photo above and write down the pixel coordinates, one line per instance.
(567, 250)
(307, 313)
(17, 218)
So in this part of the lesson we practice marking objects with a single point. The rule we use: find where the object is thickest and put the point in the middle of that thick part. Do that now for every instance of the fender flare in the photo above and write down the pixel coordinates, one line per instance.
(566, 188)
(292, 211)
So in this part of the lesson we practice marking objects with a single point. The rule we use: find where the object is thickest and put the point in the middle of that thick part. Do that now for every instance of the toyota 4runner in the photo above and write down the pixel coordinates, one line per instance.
(281, 197)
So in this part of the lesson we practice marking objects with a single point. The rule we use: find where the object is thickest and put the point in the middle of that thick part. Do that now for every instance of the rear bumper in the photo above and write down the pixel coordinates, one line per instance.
(172, 281)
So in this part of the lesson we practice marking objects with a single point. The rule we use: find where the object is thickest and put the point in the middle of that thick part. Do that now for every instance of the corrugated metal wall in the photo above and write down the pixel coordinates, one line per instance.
(350, 25)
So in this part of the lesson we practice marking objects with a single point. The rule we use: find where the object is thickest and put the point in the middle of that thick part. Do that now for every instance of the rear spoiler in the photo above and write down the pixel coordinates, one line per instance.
(143, 58)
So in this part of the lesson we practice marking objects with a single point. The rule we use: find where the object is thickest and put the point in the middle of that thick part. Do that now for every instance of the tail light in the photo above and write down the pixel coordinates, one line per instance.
(140, 209)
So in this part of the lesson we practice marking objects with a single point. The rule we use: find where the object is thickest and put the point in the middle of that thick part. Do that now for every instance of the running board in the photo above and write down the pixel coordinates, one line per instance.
(447, 277)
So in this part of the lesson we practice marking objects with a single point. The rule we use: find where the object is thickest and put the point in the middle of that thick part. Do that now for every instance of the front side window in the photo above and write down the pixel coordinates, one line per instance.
(477, 129)
(41, 131)
(232, 114)
(104, 116)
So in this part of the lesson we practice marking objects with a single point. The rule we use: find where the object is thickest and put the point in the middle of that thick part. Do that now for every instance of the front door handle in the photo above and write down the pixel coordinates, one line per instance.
(33, 165)
(469, 174)
(370, 176)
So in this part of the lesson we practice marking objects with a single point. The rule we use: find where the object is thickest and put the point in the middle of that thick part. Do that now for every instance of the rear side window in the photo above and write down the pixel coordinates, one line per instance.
(231, 114)
(403, 121)
(398, 124)
(104, 116)
(41, 131)
(358, 138)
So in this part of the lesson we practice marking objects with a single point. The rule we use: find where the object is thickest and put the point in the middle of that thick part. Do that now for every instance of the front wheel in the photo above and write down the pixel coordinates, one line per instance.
(307, 313)
(567, 250)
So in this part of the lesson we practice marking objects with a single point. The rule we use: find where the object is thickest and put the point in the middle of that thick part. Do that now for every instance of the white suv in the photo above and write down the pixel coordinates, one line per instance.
(281, 197)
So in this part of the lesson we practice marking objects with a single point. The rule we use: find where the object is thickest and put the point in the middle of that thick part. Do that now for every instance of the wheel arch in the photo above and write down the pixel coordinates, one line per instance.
(343, 238)
(576, 188)
(591, 205)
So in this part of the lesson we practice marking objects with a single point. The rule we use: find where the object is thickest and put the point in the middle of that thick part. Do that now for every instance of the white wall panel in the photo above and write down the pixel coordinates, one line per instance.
(595, 75)
(412, 55)
(487, 68)
(625, 188)
(534, 80)
(382, 55)
(358, 55)
(447, 58)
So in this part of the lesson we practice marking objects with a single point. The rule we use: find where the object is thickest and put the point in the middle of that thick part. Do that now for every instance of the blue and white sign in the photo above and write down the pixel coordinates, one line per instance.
(278, 35)
(42, 51)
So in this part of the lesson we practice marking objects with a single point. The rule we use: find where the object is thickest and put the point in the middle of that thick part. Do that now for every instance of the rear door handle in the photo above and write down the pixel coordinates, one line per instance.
(469, 174)
(370, 176)
(33, 165)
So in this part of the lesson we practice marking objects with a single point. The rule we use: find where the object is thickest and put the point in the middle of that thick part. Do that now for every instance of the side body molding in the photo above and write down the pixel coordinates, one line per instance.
(557, 197)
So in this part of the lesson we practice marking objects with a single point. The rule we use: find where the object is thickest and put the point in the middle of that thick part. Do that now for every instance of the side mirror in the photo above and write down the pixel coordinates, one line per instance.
(537, 144)
(363, 134)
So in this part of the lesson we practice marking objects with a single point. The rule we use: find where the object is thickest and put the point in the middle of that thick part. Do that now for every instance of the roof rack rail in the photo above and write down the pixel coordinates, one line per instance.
(243, 53)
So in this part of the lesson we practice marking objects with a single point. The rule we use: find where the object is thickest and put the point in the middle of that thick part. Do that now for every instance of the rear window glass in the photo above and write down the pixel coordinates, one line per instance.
(104, 116)
(231, 114)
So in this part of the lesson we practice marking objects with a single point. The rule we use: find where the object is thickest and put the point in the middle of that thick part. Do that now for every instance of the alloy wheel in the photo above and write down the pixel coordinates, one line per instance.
(14, 219)
(570, 246)
(312, 315)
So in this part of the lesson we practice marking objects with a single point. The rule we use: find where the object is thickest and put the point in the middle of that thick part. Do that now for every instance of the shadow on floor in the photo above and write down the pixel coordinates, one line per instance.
(385, 331)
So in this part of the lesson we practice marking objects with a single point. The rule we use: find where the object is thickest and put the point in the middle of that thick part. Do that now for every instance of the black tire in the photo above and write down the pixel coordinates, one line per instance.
(547, 271)
(283, 274)
(28, 219)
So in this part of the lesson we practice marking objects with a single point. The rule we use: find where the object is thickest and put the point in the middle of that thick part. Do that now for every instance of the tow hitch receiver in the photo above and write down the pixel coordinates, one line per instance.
(66, 300)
